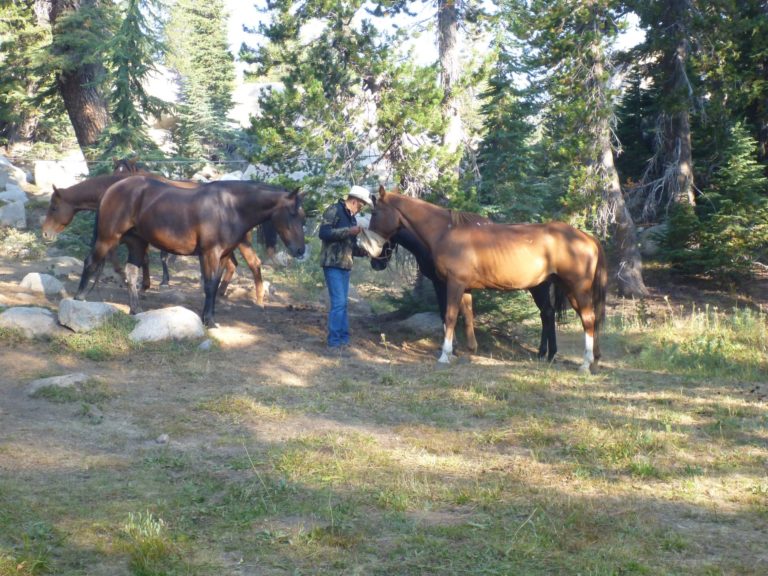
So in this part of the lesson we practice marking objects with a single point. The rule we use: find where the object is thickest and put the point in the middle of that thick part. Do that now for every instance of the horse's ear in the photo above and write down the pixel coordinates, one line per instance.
(54, 188)
(382, 191)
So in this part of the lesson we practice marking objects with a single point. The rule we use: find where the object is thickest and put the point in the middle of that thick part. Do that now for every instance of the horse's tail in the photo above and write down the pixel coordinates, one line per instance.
(95, 229)
(559, 299)
(599, 291)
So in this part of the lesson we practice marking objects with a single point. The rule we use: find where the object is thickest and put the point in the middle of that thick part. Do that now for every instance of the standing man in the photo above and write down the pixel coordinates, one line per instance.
(338, 231)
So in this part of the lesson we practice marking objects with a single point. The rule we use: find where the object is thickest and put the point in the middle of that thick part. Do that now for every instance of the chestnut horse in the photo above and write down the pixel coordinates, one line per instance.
(548, 311)
(502, 257)
(209, 221)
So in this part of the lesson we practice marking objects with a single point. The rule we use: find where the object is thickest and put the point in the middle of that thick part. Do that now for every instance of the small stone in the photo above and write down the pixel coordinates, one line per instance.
(162, 439)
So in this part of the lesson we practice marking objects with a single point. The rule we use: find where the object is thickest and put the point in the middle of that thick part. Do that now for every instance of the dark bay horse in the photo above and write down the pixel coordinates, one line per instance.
(209, 221)
(548, 311)
(503, 257)
(86, 195)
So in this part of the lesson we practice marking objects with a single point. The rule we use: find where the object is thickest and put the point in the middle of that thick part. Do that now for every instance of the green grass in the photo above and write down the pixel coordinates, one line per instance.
(390, 465)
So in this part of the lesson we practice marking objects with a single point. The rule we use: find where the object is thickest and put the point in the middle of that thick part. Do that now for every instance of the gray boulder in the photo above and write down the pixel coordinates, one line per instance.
(31, 321)
(13, 193)
(84, 316)
(65, 381)
(13, 215)
(425, 323)
(174, 323)
(42, 284)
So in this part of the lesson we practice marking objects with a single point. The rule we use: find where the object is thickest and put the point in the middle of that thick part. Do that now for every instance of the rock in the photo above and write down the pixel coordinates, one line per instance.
(65, 381)
(235, 175)
(63, 266)
(174, 323)
(31, 321)
(650, 238)
(205, 345)
(42, 283)
(9, 172)
(427, 323)
(62, 173)
(13, 193)
(163, 439)
(250, 173)
(82, 316)
(13, 215)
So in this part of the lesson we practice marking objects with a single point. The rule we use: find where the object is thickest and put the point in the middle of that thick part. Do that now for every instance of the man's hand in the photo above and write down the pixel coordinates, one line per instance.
(354, 230)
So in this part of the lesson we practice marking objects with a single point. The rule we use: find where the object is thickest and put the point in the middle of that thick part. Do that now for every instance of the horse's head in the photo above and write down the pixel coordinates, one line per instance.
(288, 219)
(381, 261)
(124, 166)
(58, 216)
(386, 219)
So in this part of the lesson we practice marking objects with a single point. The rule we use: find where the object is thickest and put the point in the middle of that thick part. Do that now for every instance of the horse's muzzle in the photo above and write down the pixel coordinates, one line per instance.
(371, 242)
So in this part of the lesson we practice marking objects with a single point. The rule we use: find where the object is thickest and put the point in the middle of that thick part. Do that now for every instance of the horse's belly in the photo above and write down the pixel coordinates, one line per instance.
(511, 270)
(170, 242)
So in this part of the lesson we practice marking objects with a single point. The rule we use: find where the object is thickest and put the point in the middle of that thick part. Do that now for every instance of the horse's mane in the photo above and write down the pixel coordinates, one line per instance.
(462, 218)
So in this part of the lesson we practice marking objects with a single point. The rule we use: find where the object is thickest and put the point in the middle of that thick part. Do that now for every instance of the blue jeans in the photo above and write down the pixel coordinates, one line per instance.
(337, 281)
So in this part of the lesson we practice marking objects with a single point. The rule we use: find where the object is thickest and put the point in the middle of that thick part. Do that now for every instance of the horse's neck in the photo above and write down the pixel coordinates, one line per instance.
(427, 222)
(86, 195)
(410, 242)
(257, 202)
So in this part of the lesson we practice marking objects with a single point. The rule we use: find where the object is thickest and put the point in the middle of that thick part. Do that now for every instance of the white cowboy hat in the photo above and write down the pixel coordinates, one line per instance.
(361, 194)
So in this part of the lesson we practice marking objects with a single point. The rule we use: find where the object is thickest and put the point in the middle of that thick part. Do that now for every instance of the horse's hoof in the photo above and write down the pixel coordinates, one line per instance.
(584, 369)
(444, 359)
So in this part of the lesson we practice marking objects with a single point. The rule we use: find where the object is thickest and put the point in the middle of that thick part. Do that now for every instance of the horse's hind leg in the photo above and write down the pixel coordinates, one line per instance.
(92, 267)
(581, 301)
(255, 265)
(229, 271)
(469, 321)
(115, 260)
(166, 280)
(548, 343)
(137, 257)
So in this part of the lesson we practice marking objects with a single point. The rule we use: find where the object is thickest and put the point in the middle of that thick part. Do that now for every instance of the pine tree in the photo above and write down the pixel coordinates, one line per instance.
(132, 52)
(344, 105)
(197, 35)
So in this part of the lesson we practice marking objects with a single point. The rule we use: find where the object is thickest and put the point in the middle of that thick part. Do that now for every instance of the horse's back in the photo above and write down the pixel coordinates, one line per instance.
(515, 256)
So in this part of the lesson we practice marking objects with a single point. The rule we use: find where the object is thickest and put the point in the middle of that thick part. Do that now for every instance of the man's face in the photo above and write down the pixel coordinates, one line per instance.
(357, 206)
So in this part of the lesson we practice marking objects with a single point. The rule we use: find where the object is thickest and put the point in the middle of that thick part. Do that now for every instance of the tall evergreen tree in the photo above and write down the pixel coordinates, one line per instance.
(197, 35)
(80, 30)
(131, 54)
(29, 107)
(322, 119)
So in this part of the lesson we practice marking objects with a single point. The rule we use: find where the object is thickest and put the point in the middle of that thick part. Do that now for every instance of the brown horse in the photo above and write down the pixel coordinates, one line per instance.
(130, 167)
(503, 257)
(209, 221)
(86, 195)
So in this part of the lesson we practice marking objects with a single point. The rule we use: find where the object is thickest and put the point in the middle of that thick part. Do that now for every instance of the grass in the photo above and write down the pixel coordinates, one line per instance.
(391, 466)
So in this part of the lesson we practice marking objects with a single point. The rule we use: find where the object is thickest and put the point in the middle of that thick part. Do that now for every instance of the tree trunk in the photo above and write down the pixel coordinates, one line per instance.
(629, 271)
(677, 96)
(448, 47)
(79, 87)
(613, 210)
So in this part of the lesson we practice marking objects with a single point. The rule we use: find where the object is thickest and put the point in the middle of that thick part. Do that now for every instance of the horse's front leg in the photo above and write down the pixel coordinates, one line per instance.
(211, 267)
(255, 265)
(454, 294)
